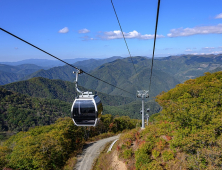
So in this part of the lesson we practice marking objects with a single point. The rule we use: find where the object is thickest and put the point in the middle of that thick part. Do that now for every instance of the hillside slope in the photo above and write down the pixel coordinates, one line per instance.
(186, 134)
(20, 112)
(121, 73)
(9, 74)
(66, 72)
(59, 89)
(6, 77)
(65, 91)
(185, 67)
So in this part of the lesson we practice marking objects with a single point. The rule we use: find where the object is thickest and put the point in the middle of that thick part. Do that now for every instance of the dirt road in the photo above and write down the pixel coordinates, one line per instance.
(91, 152)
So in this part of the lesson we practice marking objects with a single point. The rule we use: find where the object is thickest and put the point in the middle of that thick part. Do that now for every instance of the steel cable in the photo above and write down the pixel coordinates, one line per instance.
(63, 61)
(124, 37)
(157, 16)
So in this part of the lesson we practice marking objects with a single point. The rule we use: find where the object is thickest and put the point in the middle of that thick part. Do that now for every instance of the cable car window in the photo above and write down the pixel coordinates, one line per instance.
(84, 108)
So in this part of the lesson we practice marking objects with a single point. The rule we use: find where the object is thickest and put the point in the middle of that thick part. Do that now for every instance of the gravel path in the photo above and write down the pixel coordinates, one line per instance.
(91, 152)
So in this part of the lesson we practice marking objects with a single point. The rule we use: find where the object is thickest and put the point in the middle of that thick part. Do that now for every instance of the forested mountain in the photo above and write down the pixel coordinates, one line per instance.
(65, 91)
(121, 73)
(6, 77)
(91, 64)
(133, 109)
(59, 89)
(216, 69)
(26, 70)
(19, 112)
(10, 73)
(186, 134)
(185, 67)
(66, 72)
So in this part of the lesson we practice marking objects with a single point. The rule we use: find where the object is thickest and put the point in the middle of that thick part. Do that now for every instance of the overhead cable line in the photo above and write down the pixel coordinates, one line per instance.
(62, 60)
(124, 37)
(154, 44)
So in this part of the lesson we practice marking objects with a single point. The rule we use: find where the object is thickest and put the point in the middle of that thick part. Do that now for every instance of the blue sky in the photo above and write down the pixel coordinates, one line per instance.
(89, 29)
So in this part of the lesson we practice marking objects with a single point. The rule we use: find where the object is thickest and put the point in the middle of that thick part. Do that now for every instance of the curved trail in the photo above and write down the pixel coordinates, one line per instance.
(91, 152)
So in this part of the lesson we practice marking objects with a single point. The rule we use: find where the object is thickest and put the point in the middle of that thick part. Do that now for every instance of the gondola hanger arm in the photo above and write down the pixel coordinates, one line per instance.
(79, 71)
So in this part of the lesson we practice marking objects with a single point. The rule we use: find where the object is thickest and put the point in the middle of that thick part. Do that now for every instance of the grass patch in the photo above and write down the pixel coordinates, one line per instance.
(103, 161)
(101, 136)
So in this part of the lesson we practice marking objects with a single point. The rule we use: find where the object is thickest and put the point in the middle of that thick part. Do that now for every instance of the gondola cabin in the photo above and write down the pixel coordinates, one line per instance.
(86, 109)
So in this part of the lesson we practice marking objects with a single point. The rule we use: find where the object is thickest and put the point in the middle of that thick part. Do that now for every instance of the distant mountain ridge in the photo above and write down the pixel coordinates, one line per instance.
(185, 67)
(180, 68)
(44, 62)
(66, 72)
(15, 72)
(121, 73)
(10, 73)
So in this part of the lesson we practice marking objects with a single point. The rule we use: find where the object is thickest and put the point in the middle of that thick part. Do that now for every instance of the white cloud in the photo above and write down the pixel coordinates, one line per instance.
(199, 53)
(83, 31)
(188, 50)
(16, 48)
(64, 30)
(87, 38)
(212, 52)
(208, 48)
(217, 52)
(218, 16)
(178, 32)
(117, 34)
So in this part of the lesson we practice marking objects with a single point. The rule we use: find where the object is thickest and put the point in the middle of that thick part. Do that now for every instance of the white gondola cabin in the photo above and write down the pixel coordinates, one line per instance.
(86, 108)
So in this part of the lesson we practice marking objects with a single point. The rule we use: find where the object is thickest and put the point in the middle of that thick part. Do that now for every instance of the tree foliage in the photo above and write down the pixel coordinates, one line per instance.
(187, 133)
(49, 147)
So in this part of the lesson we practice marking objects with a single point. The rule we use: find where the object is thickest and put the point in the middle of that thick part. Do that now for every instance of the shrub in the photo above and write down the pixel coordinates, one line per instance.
(141, 160)
(167, 155)
(3, 154)
(127, 153)
(155, 153)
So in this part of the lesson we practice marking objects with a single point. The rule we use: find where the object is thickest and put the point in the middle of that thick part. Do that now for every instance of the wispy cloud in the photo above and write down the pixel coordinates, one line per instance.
(178, 32)
(219, 16)
(212, 52)
(167, 49)
(64, 30)
(188, 50)
(209, 48)
(117, 34)
(217, 52)
(87, 38)
(83, 31)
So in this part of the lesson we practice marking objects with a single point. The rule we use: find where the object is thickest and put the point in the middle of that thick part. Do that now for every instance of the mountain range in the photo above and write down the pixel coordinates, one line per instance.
(10, 73)
(26, 71)
(54, 86)
(43, 62)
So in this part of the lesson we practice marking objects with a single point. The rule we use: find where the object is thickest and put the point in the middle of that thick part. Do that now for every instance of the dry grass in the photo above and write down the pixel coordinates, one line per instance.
(101, 136)
(70, 164)
(103, 161)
